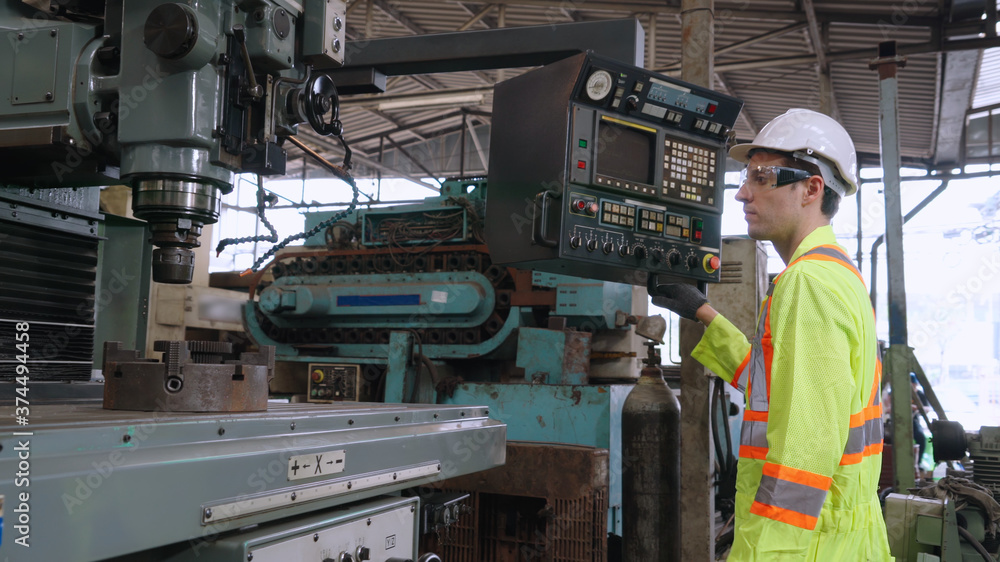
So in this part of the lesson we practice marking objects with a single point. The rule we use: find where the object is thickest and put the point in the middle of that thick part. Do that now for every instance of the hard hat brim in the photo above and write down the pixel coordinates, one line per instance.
(741, 152)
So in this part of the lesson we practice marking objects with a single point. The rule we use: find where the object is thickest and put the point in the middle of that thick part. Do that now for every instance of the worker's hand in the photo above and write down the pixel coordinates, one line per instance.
(683, 299)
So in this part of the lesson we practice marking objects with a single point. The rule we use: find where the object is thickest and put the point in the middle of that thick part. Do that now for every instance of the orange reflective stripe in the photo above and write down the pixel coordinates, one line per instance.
(754, 415)
(798, 476)
(768, 348)
(856, 458)
(748, 452)
(740, 370)
(784, 515)
(868, 413)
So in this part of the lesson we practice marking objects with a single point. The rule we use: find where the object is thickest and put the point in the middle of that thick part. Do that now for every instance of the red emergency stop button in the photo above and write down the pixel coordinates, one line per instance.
(317, 376)
(711, 263)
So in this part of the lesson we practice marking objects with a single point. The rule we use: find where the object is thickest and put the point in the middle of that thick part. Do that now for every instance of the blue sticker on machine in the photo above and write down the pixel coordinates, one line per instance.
(378, 300)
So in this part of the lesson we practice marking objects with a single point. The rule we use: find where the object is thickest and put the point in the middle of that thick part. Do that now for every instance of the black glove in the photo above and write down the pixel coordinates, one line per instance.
(683, 299)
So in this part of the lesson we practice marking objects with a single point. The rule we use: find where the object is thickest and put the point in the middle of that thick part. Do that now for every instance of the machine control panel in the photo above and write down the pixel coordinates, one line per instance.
(378, 530)
(334, 383)
(638, 189)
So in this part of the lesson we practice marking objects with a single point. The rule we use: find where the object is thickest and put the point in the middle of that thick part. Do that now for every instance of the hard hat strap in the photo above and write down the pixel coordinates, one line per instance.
(831, 175)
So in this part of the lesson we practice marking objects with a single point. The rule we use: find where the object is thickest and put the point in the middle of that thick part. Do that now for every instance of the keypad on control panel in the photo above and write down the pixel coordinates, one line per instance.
(689, 172)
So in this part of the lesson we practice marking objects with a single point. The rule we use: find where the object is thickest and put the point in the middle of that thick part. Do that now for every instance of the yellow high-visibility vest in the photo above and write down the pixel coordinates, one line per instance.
(811, 440)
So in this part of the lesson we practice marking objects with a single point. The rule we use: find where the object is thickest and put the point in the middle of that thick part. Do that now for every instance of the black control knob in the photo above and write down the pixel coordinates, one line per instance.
(632, 102)
(692, 261)
(624, 251)
(591, 245)
(674, 257)
(640, 252)
(171, 30)
(345, 557)
(608, 247)
(363, 553)
(658, 256)
(575, 241)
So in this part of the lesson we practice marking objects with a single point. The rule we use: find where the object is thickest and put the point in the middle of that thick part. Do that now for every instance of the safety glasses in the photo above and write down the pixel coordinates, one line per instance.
(762, 178)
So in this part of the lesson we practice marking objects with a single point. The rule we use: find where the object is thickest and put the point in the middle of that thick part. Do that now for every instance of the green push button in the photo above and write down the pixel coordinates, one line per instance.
(583, 143)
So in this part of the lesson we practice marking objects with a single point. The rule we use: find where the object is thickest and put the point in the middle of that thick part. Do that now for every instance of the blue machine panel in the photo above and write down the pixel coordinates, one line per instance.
(378, 300)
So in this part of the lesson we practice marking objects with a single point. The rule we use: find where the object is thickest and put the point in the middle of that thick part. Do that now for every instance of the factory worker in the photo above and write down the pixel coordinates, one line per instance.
(811, 443)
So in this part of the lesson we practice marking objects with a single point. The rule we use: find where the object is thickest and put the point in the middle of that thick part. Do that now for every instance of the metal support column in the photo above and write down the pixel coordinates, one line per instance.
(697, 458)
(400, 374)
(897, 359)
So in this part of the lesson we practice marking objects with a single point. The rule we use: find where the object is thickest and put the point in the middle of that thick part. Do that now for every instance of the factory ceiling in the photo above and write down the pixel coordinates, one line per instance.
(773, 54)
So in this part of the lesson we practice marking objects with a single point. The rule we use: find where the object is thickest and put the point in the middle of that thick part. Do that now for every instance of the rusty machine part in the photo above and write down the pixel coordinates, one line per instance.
(195, 376)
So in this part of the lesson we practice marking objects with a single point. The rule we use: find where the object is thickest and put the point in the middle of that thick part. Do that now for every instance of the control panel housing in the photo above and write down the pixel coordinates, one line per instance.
(334, 382)
(609, 172)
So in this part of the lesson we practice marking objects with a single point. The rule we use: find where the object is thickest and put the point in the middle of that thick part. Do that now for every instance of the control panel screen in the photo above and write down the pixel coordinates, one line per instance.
(625, 152)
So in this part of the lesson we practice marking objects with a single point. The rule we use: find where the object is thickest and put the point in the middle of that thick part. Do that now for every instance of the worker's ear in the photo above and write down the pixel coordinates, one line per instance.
(813, 191)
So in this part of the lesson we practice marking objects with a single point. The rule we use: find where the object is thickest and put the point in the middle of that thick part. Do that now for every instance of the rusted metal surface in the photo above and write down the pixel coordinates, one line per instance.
(193, 377)
(548, 503)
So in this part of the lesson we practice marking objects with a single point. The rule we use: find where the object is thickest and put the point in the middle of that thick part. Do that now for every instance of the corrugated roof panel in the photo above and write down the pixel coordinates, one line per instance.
(988, 85)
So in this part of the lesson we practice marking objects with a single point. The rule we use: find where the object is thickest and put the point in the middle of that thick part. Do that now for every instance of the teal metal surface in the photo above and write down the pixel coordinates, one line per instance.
(108, 483)
(123, 278)
(582, 415)
(585, 302)
(417, 300)
(554, 356)
(400, 368)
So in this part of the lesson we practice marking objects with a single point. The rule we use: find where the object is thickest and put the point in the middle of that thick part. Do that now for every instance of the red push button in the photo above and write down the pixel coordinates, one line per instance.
(592, 208)
(579, 205)
(581, 164)
(711, 263)
(711, 108)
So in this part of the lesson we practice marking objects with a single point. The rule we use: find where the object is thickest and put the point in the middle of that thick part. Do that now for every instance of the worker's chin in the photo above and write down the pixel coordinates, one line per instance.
(756, 232)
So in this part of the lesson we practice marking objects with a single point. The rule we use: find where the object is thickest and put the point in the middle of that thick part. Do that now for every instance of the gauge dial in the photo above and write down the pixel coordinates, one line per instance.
(599, 85)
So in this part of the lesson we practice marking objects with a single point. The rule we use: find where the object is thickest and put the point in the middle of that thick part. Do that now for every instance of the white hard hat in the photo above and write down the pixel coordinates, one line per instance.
(813, 137)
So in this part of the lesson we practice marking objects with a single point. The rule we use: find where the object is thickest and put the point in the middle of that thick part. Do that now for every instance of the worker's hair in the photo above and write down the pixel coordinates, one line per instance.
(831, 199)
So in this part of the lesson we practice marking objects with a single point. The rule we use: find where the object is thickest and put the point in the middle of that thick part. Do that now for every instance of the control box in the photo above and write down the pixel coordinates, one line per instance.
(334, 382)
(377, 530)
(608, 171)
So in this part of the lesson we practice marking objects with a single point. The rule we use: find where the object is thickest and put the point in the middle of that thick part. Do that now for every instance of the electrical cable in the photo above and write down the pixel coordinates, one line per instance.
(965, 534)
(262, 200)
(341, 173)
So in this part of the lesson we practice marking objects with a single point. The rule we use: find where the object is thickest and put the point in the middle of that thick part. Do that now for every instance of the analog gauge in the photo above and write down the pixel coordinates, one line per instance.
(599, 85)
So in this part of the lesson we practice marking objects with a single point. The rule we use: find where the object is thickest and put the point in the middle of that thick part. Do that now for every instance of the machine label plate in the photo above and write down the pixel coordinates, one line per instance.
(318, 464)
(298, 495)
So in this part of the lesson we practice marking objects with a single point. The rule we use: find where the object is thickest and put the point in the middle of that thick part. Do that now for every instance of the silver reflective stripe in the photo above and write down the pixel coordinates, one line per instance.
(874, 431)
(855, 441)
(754, 434)
(870, 433)
(758, 380)
(791, 496)
(832, 254)
(741, 378)
(757, 400)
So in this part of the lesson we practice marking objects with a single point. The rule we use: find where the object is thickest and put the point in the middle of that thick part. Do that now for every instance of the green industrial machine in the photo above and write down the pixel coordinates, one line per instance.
(185, 459)
(403, 304)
